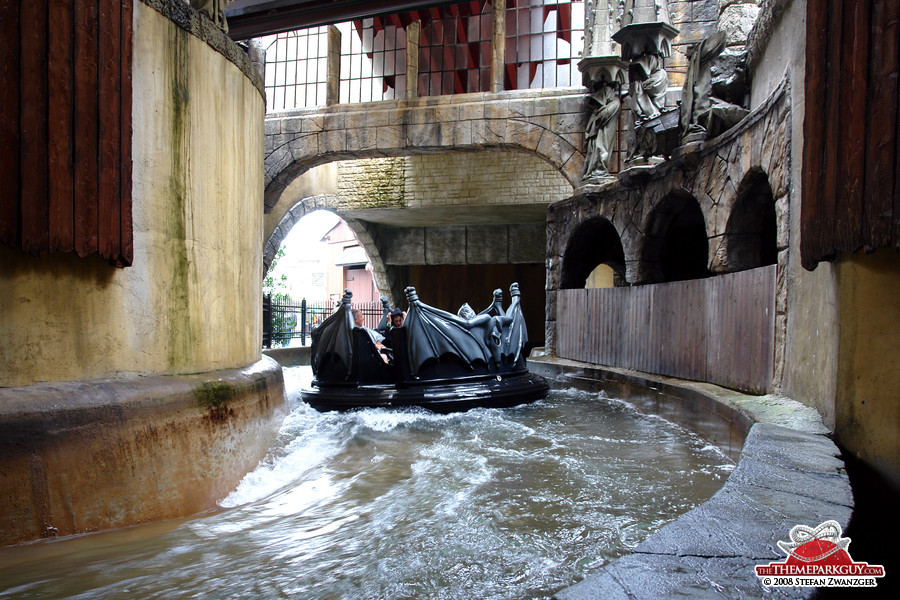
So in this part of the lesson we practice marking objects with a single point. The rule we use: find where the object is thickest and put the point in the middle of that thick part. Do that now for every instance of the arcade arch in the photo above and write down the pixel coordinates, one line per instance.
(309, 204)
(595, 243)
(676, 246)
(751, 230)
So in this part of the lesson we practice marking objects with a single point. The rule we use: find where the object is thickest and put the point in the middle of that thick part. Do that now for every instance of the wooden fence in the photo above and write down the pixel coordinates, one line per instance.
(720, 330)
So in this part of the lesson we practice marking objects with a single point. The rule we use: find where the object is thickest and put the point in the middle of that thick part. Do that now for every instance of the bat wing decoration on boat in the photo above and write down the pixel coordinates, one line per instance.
(331, 353)
(432, 333)
(490, 342)
(436, 360)
(492, 337)
(515, 336)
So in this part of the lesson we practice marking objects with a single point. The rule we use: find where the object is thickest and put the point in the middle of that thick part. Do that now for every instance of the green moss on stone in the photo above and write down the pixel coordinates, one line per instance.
(214, 396)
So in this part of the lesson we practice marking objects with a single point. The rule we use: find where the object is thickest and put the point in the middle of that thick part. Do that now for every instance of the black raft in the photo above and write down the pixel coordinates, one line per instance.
(438, 360)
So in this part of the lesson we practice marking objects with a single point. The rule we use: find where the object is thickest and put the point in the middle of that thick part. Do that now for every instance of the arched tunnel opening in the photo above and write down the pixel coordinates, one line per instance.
(594, 244)
(752, 227)
(677, 247)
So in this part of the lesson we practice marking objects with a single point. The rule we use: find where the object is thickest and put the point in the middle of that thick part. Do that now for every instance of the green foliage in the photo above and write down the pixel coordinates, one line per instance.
(275, 285)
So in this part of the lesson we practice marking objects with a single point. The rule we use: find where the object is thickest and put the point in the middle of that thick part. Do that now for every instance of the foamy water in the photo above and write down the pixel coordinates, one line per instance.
(511, 503)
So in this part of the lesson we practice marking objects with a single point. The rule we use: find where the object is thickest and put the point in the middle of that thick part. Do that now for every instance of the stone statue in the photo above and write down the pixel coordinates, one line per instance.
(600, 135)
(695, 95)
(649, 82)
(214, 9)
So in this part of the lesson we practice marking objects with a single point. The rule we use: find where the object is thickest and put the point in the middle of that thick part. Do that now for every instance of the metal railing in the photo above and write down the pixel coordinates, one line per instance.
(291, 323)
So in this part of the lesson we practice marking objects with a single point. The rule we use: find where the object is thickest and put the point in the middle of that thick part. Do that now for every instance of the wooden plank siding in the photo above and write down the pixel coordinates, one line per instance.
(851, 153)
(65, 127)
(720, 330)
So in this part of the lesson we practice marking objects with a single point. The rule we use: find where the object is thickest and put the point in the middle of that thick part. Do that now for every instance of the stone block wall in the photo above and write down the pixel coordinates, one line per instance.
(546, 123)
(484, 178)
(464, 244)
(455, 179)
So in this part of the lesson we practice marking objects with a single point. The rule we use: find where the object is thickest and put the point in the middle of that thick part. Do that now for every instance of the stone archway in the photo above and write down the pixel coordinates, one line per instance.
(594, 242)
(383, 278)
(549, 124)
(751, 230)
(676, 245)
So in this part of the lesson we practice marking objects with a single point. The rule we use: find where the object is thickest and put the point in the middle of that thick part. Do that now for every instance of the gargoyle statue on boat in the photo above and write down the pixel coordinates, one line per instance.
(440, 361)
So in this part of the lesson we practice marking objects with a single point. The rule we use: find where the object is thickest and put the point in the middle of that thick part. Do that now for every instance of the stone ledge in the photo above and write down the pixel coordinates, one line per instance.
(289, 357)
(785, 476)
(86, 456)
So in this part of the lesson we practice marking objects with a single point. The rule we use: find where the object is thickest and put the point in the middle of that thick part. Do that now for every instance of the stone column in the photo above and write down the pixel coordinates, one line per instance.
(333, 68)
(498, 47)
(413, 32)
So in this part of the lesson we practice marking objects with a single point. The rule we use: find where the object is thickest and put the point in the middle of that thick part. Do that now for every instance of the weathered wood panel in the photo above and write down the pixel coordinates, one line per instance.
(126, 46)
(720, 329)
(61, 133)
(9, 119)
(65, 127)
(851, 156)
(86, 133)
(33, 213)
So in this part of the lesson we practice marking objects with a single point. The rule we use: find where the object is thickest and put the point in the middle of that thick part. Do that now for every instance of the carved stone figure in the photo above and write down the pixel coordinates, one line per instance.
(214, 9)
(600, 135)
(695, 95)
(649, 82)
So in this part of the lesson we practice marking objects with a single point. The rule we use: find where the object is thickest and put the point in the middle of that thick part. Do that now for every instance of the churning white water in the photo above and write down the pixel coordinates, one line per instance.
(377, 504)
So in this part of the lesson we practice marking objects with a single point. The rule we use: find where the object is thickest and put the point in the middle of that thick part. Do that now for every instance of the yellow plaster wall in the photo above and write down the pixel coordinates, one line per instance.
(191, 302)
(809, 350)
(868, 397)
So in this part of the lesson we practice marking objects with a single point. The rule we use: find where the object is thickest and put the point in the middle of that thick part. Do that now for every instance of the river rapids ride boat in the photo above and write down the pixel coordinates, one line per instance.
(438, 360)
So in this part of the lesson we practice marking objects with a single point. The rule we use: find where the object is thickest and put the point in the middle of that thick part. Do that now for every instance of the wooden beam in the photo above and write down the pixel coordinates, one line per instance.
(9, 122)
(33, 141)
(86, 132)
(882, 123)
(61, 133)
(255, 18)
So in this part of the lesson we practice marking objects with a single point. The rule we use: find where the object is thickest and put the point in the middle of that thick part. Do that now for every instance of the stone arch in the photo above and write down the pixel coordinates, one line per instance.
(383, 279)
(751, 229)
(676, 244)
(549, 125)
(594, 242)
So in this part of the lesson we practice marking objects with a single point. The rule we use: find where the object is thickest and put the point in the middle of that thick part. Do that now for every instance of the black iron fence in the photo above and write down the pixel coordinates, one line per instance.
(285, 320)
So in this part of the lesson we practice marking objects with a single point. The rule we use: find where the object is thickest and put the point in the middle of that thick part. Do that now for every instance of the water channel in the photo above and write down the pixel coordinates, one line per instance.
(514, 503)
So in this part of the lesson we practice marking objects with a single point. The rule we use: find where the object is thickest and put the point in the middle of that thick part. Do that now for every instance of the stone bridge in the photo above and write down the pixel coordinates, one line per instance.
(547, 123)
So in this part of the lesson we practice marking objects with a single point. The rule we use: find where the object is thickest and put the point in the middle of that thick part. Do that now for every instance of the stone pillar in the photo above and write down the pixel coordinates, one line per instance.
(498, 47)
(413, 32)
(333, 68)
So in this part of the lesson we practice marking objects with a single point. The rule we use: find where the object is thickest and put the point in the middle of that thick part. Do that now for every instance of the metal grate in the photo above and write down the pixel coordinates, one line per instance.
(296, 74)
(544, 41)
(373, 61)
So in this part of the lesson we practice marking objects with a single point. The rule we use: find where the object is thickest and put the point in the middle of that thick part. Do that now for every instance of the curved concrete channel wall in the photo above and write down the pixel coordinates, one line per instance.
(85, 456)
(788, 473)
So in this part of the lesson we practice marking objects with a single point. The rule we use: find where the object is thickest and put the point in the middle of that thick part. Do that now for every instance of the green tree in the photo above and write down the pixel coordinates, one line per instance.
(275, 286)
